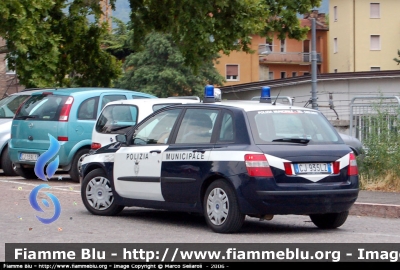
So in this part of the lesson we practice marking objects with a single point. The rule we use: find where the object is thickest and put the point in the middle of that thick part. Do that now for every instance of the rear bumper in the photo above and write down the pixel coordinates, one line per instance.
(261, 196)
(307, 201)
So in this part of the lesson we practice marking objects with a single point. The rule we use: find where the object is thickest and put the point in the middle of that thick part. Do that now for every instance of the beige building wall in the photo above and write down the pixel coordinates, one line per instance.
(353, 27)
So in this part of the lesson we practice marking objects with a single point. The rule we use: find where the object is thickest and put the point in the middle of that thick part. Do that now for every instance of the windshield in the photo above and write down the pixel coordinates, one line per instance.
(292, 126)
(10, 104)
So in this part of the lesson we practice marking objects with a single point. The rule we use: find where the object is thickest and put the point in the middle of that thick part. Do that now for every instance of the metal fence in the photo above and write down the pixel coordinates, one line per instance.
(365, 112)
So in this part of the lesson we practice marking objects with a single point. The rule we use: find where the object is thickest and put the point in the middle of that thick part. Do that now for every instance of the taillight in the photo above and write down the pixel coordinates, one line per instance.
(95, 146)
(257, 165)
(64, 114)
(353, 169)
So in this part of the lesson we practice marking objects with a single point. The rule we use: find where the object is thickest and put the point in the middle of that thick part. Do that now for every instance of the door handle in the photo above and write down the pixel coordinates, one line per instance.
(155, 151)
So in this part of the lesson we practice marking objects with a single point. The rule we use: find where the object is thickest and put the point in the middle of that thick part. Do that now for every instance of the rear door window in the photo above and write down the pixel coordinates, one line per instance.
(88, 109)
(116, 118)
(197, 126)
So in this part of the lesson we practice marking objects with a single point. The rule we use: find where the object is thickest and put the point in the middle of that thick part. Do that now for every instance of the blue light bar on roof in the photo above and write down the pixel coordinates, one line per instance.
(265, 94)
(209, 94)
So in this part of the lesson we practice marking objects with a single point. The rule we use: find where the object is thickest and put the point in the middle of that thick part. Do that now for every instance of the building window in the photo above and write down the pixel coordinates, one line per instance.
(270, 44)
(375, 11)
(335, 45)
(283, 74)
(294, 74)
(335, 13)
(306, 73)
(335, 70)
(283, 45)
(271, 75)
(375, 44)
(375, 68)
(8, 70)
(232, 72)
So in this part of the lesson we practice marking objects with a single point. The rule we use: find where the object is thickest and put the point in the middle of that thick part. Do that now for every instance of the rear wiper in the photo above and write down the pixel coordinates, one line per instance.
(119, 128)
(292, 140)
(26, 117)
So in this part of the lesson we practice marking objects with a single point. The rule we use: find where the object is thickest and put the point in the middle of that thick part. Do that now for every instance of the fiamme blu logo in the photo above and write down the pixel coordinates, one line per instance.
(51, 168)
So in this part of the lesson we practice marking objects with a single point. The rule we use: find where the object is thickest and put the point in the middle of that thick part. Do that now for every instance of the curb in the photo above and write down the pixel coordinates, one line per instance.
(375, 210)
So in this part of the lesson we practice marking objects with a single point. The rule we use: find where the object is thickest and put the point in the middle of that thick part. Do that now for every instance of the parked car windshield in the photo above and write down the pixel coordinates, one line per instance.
(292, 126)
(10, 104)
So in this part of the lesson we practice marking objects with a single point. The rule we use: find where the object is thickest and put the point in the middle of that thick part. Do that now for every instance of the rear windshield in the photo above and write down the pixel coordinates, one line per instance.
(116, 119)
(274, 126)
(10, 104)
(42, 107)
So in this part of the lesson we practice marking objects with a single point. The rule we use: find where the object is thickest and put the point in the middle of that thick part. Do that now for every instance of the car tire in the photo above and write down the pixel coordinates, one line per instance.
(27, 173)
(330, 220)
(97, 194)
(6, 164)
(76, 164)
(221, 208)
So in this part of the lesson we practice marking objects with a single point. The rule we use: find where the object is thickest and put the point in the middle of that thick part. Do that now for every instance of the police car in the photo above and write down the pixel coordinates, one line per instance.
(227, 160)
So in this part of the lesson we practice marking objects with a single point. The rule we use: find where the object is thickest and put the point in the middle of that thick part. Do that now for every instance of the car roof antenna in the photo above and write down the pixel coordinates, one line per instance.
(276, 98)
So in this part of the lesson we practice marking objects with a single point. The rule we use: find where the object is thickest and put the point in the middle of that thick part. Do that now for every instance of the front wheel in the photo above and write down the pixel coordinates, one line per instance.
(330, 220)
(76, 165)
(97, 194)
(221, 208)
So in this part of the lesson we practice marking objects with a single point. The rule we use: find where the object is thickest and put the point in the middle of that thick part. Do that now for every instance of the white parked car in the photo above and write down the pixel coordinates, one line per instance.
(8, 107)
(117, 116)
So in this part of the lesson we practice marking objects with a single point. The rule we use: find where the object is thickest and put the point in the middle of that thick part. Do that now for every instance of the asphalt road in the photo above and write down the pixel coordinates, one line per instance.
(18, 223)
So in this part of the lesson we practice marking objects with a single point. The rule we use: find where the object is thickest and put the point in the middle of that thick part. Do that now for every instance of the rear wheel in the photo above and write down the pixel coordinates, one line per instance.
(6, 164)
(97, 194)
(77, 164)
(330, 220)
(25, 172)
(221, 208)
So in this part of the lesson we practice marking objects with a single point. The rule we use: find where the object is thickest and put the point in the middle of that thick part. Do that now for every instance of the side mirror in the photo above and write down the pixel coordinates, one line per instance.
(121, 138)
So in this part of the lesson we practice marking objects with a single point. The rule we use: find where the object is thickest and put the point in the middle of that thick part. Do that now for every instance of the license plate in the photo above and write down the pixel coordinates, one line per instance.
(28, 156)
(302, 168)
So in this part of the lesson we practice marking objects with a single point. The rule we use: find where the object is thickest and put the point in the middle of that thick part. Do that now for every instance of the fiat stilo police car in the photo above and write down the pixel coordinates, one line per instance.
(227, 160)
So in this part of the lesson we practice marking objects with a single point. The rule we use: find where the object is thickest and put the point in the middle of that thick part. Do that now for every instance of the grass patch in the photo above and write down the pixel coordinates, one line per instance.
(388, 183)
(379, 167)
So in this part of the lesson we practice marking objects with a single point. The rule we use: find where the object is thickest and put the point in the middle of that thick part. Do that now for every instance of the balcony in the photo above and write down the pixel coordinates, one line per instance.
(267, 56)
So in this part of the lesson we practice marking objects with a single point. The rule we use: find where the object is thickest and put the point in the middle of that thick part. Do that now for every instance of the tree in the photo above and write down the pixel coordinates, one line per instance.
(117, 42)
(160, 70)
(52, 43)
(204, 28)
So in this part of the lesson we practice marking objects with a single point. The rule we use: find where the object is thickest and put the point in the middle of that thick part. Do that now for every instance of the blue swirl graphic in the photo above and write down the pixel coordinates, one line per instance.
(45, 157)
(35, 205)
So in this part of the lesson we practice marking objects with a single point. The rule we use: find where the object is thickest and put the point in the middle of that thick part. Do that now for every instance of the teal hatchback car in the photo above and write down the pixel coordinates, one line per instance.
(68, 115)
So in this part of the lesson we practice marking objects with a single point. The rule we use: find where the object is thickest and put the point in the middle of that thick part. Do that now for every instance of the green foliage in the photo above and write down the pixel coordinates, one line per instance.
(52, 43)
(201, 29)
(382, 143)
(116, 42)
(160, 70)
(396, 59)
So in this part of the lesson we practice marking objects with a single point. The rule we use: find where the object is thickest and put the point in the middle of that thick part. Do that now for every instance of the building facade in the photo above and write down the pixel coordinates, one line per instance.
(8, 78)
(278, 59)
(363, 35)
